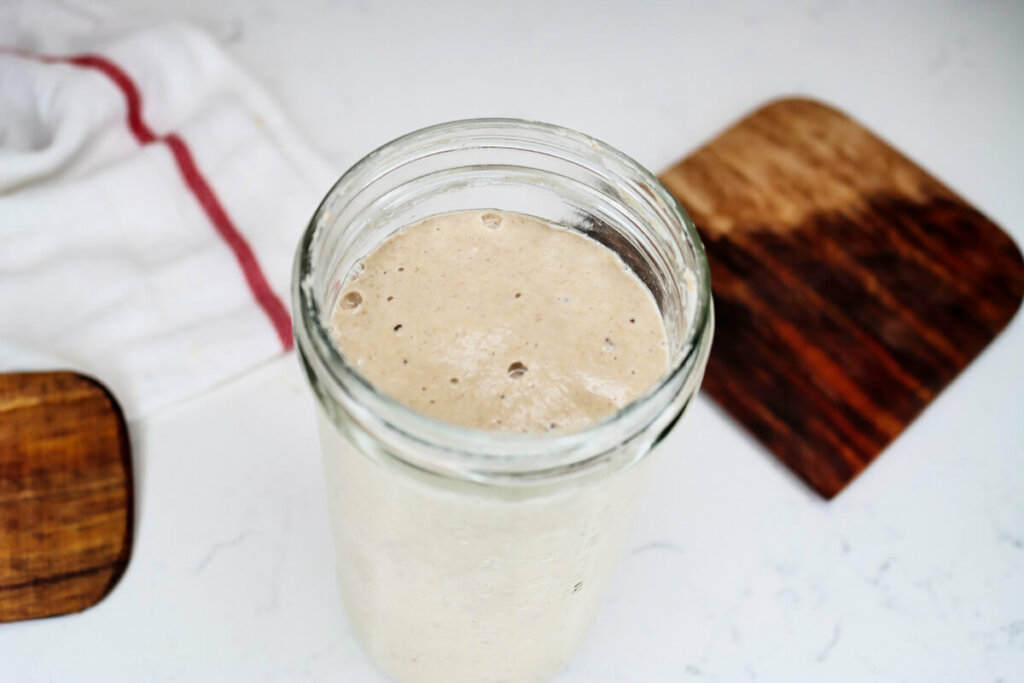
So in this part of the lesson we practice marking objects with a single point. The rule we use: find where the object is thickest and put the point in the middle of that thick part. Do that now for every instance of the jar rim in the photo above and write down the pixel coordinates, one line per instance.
(476, 453)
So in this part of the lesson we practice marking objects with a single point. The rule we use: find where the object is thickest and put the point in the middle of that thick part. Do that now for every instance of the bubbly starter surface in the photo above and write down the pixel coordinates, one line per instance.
(495, 320)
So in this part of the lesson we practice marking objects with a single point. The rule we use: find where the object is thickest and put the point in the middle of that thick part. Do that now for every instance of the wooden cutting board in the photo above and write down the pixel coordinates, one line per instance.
(66, 494)
(850, 286)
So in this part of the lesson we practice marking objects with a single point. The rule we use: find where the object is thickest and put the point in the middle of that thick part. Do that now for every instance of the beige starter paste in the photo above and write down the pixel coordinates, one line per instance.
(499, 321)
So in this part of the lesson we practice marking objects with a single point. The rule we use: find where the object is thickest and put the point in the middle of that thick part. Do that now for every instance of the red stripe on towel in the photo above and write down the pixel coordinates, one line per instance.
(198, 185)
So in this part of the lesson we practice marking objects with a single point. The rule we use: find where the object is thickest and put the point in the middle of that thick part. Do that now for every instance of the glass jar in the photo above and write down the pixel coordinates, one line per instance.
(467, 555)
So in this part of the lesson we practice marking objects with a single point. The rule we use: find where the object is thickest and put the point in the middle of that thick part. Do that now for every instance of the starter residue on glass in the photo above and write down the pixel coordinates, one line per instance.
(496, 320)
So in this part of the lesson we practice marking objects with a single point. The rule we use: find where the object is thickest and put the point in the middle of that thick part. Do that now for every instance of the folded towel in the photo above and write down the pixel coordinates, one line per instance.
(151, 198)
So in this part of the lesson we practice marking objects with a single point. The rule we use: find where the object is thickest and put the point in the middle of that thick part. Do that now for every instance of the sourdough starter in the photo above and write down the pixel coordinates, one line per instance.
(497, 321)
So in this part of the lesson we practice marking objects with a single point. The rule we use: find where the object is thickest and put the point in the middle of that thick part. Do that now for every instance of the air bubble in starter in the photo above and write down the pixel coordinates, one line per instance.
(517, 370)
(352, 300)
(491, 220)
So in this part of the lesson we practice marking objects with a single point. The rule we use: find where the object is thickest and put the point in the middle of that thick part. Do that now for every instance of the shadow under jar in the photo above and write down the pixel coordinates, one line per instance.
(466, 555)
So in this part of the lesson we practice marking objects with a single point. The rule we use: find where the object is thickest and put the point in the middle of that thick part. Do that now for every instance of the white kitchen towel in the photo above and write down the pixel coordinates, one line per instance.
(151, 198)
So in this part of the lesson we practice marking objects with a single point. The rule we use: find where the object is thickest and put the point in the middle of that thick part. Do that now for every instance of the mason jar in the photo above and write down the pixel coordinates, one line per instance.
(469, 556)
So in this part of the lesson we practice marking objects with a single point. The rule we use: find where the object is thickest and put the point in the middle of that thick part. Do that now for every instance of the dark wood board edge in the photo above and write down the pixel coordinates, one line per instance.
(829, 488)
(114, 570)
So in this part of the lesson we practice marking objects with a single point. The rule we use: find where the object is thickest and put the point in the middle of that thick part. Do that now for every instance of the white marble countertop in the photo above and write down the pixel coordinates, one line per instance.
(735, 571)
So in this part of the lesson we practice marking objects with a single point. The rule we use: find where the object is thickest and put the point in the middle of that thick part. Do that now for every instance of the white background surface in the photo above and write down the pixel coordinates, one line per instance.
(734, 571)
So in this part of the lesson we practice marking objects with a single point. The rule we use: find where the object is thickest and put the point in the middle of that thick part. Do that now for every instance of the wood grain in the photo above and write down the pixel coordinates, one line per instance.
(850, 286)
(65, 494)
